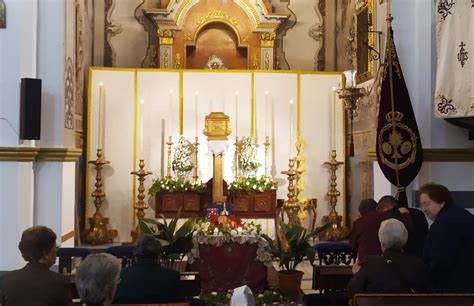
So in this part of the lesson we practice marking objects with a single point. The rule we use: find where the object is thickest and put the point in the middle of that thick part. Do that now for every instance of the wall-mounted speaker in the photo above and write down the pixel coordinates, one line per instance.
(30, 109)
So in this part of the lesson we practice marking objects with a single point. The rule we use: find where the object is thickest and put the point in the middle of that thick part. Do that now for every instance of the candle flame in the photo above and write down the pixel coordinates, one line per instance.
(171, 91)
(291, 101)
(266, 92)
(236, 92)
(334, 88)
(196, 92)
(142, 101)
(100, 84)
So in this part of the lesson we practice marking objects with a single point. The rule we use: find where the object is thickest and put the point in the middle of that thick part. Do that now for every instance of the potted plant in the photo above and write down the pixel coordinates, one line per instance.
(290, 248)
(175, 242)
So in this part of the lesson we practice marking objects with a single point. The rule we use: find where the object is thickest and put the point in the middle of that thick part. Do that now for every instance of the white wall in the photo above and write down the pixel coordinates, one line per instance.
(17, 60)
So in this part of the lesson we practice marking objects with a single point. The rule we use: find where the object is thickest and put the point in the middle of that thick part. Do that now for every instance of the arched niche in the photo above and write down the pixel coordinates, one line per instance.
(217, 39)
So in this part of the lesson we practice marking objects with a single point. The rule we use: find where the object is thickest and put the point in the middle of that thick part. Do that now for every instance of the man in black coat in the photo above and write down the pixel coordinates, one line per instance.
(393, 271)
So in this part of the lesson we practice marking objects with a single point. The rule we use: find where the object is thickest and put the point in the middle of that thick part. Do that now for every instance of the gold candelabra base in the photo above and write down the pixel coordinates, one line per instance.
(140, 206)
(336, 231)
(98, 233)
(291, 204)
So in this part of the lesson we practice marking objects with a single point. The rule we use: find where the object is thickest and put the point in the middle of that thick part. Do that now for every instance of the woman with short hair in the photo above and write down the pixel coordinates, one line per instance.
(97, 278)
(35, 284)
(449, 246)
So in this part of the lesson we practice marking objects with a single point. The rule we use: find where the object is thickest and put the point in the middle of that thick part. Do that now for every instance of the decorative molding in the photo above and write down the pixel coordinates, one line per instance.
(166, 36)
(69, 95)
(111, 29)
(79, 70)
(216, 15)
(316, 32)
(440, 155)
(19, 154)
(267, 39)
(59, 154)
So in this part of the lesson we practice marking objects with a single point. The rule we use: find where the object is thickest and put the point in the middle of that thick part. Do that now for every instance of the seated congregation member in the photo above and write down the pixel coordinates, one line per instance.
(393, 271)
(97, 278)
(146, 281)
(363, 237)
(35, 284)
(449, 246)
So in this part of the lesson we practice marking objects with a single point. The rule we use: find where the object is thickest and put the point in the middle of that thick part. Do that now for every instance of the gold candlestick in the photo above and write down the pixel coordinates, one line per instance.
(335, 232)
(169, 143)
(236, 158)
(98, 232)
(140, 206)
(196, 145)
(266, 144)
(291, 205)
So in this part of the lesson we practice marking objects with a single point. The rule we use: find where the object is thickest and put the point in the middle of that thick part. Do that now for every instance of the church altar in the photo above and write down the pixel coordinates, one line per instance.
(137, 113)
(242, 261)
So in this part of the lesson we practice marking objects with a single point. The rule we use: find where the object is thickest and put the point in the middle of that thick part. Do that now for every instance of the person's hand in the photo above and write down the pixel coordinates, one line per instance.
(403, 210)
(356, 267)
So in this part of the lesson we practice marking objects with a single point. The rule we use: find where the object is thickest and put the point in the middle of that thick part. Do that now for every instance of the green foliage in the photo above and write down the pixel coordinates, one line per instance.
(175, 185)
(253, 183)
(267, 297)
(291, 245)
(175, 242)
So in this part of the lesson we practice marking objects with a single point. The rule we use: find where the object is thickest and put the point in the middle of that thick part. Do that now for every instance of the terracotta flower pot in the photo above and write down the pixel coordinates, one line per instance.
(290, 281)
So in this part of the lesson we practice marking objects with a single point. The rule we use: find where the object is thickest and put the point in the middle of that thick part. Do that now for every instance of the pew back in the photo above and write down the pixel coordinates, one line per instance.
(415, 299)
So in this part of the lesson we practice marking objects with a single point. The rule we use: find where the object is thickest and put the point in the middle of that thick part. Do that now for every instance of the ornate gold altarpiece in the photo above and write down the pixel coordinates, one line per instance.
(240, 33)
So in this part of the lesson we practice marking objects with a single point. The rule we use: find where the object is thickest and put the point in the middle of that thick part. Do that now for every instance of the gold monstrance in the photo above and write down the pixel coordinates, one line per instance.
(217, 127)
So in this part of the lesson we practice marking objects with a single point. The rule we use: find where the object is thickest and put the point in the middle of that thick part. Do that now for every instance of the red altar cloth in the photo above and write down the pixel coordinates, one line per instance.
(229, 266)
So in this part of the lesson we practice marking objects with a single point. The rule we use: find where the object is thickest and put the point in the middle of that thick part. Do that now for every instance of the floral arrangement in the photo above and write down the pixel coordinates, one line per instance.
(226, 225)
(182, 163)
(267, 297)
(253, 183)
(248, 155)
(175, 185)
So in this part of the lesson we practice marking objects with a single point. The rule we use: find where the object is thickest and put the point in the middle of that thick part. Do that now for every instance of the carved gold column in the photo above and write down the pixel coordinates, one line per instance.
(291, 205)
(267, 43)
(166, 39)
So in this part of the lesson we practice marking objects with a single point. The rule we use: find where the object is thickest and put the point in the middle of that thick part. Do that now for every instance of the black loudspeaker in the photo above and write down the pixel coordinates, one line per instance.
(30, 109)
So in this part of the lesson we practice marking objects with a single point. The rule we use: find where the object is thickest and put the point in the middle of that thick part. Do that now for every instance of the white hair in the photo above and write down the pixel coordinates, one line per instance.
(96, 276)
(392, 234)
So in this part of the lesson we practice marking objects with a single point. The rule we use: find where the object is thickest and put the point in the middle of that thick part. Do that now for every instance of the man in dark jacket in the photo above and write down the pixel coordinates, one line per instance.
(35, 284)
(146, 281)
(393, 271)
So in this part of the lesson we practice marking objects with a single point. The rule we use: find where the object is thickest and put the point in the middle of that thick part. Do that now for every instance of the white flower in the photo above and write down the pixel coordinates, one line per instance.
(254, 187)
(260, 295)
(228, 295)
(213, 293)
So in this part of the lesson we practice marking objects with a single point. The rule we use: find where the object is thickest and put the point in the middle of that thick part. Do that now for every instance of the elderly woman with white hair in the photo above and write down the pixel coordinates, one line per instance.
(393, 271)
(97, 278)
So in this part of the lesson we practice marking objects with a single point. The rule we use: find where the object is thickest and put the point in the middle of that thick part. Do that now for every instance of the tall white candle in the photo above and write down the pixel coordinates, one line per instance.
(291, 128)
(267, 114)
(196, 111)
(236, 113)
(171, 112)
(142, 112)
(333, 134)
(100, 139)
(255, 116)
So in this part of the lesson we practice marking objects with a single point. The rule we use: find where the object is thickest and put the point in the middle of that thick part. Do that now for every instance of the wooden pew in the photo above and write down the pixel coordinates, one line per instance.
(412, 299)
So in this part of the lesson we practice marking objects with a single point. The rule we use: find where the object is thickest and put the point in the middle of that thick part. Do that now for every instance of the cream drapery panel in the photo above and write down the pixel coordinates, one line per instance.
(454, 94)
